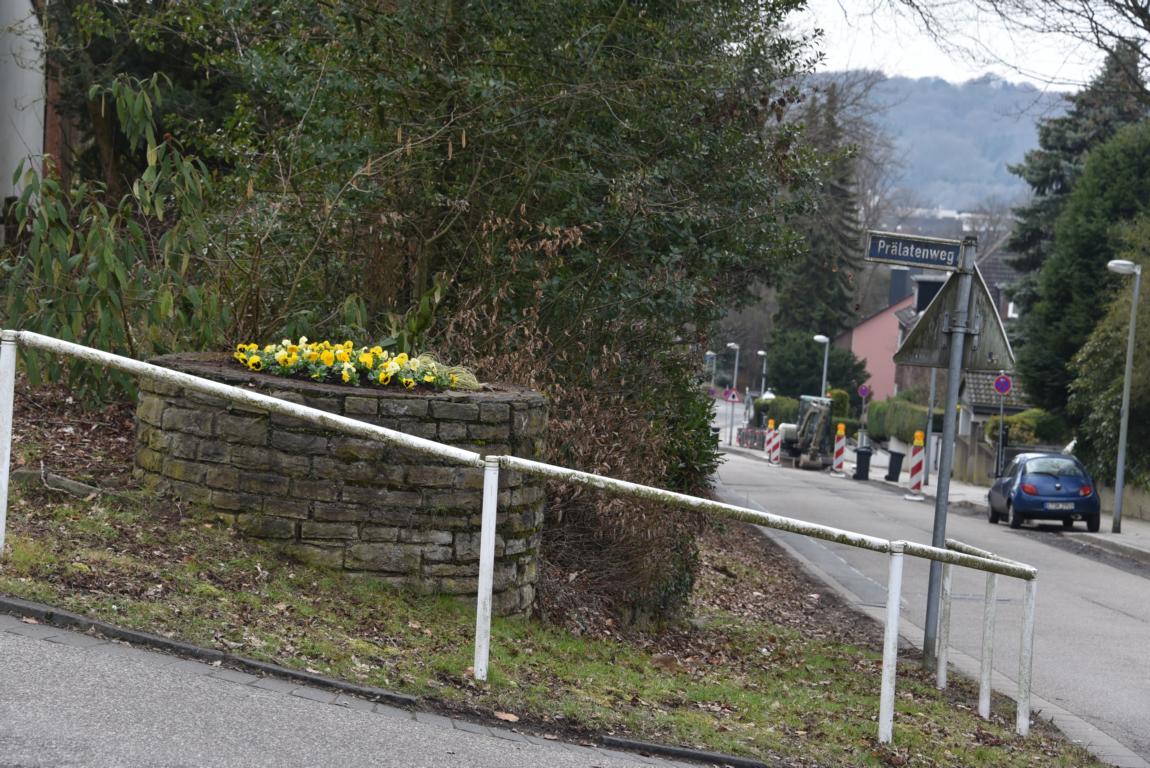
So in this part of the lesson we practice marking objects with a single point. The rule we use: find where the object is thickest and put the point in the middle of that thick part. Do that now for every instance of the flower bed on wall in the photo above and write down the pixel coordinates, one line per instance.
(347, 502)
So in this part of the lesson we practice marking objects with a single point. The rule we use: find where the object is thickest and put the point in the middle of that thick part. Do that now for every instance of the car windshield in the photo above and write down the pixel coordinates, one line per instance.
(1054, 466)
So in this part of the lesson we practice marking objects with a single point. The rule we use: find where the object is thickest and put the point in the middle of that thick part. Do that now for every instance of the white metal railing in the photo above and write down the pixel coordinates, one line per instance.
(955, 555)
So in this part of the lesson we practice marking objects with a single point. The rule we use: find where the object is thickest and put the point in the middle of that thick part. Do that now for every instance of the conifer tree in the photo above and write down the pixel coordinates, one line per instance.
(818, 294)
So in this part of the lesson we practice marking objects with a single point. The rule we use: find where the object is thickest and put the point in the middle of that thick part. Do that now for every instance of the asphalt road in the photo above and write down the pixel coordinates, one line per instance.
(1093, 619)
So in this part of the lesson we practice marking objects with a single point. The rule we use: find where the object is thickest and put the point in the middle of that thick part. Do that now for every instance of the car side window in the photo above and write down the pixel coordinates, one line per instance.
(1011, 470)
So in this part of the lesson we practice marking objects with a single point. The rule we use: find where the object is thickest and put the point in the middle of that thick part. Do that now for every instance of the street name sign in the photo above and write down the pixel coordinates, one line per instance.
(985, 346)
(928, 252)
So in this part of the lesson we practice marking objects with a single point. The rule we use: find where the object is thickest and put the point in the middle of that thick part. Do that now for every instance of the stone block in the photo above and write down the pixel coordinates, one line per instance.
(160, 387)
(513, 547)
(360, 406)
(387, 557)
(324, 557)
(488, 432)
(248, 430)
(354, 448)
(380, 496)
(467, 546)
(150, 409)
(208, 401)
(459, 501)
(451, 431)
(222, 477)
(288, 395)
(409, 536)
(186, 420)
(149, 460)
(184, 471)
(214, 451)
(269, 460)
(337, 512)
(420, 476)
(428, 430)
(284, 507)
(266, 526)
(192, 493)
(470, 479)
(263, 483)
(299, 442)
(432, 553)
(369, 532)
(238, 502)
(183, 446)
(505, 573)
(494, 413)
(527, 494)
(448, 411)
(319, 490)
(414, 407)
(461, 585)
(311, 529)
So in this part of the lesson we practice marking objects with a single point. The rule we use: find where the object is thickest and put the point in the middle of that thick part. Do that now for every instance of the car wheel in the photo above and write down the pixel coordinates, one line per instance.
(1067, 523)
(991, 514)
(1014, 516)
(1092, 523)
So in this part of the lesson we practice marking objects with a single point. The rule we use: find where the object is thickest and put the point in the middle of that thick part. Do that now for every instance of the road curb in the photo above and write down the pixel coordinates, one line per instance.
(48, 615)
(1109, 543)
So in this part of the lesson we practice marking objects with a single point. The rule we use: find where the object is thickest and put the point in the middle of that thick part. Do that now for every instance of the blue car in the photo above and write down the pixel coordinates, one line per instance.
(1044, 486)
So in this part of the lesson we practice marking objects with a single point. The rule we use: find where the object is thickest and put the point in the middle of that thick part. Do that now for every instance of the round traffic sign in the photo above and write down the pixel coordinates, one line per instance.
(1002, 385)
(864, 391)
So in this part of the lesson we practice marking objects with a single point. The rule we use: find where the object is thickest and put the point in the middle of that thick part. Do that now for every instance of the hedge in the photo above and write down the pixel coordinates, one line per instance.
(899, 418)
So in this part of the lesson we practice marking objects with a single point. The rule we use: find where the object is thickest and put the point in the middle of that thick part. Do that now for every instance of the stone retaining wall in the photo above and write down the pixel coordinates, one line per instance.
(347, 502)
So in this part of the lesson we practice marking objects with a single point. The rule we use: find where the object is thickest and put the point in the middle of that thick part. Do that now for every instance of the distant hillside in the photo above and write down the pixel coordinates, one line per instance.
(955, 140)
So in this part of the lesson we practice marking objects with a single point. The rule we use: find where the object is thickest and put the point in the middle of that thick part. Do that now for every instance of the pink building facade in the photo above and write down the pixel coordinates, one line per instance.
(874, 341)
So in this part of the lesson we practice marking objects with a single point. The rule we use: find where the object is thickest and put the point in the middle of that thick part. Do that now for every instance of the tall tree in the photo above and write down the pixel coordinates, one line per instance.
(1073, 283)
(1093, 115)
(817, 295)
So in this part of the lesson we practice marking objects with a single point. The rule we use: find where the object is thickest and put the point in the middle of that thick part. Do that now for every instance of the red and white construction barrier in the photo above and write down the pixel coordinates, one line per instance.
(839, 464)
(774, 443)
(917, 469)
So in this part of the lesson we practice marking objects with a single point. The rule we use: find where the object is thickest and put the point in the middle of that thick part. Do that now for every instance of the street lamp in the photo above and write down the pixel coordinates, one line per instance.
(763, 382)
(1124, 267)
(826, 353)
(735, 389)
(709, 355)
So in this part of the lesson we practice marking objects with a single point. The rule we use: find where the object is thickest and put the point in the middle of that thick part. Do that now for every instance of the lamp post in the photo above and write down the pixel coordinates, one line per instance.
(735, 389)
(1125, 267)
(826, 353)
(714, 359)
(763, 382)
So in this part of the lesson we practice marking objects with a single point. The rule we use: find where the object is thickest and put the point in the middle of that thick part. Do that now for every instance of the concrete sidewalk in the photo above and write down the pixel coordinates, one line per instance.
(75, 699)
(1133, 542)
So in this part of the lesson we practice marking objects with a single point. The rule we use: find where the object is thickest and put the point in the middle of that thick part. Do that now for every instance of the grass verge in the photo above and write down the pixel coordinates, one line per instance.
(766, 667)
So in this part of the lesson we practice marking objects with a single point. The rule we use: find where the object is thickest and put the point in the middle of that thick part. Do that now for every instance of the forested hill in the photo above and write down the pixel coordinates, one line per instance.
(956, 140)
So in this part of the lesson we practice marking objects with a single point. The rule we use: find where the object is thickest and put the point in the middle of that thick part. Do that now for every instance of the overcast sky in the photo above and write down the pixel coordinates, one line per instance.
(892, 42)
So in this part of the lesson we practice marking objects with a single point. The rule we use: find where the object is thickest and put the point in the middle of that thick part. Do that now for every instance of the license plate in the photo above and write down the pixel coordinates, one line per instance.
(1058, 505)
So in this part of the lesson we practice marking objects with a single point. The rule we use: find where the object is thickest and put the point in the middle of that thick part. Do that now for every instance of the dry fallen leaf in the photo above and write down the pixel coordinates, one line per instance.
(507, 717)
(29, 620)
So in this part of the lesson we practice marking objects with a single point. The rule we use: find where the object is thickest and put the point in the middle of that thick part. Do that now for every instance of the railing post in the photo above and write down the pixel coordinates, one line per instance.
(486, 566)
(7, 398)
(890, 644)
(1025, 659)
(986, 667)
(944, 628)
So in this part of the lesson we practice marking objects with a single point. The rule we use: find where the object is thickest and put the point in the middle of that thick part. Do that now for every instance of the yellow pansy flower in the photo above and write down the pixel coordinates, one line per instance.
(408, 382)
(378, 351)
(311, 355)
(384, 376)
(327, 357)
(401, 358)
(343, 354)
(281, 358)
(428, 377)
(256, 363)
(238, 355)
(292, 359)
(367, 360)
